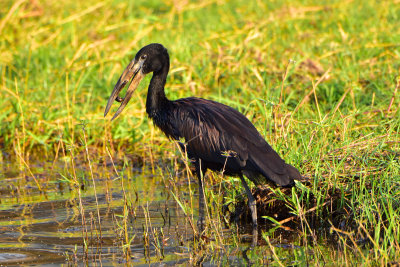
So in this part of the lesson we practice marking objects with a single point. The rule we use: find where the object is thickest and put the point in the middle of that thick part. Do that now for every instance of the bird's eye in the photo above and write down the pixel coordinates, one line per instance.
(143, 57)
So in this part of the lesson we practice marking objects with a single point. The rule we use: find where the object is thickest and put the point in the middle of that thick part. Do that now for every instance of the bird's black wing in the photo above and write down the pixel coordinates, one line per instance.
(212, 129)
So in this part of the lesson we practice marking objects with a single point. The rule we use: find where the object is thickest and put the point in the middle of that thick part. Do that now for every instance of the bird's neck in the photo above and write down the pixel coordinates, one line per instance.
(156, 99)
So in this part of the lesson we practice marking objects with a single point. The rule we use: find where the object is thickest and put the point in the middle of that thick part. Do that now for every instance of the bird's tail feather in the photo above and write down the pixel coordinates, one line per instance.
(275, 169)
(293, 172)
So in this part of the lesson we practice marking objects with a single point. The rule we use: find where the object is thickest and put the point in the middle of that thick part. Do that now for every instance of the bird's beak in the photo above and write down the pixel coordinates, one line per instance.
(133, 74)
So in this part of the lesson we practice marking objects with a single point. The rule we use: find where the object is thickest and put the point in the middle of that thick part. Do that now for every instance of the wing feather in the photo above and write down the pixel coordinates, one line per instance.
(211, 128)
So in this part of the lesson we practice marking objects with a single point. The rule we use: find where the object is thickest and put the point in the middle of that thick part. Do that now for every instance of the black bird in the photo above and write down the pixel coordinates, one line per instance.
(217, 136)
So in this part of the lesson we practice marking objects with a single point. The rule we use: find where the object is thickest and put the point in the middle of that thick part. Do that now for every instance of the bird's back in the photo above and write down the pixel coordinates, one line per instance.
(224, 139)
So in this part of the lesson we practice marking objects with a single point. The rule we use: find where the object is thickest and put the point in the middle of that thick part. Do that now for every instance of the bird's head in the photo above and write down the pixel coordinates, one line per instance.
(149, 59)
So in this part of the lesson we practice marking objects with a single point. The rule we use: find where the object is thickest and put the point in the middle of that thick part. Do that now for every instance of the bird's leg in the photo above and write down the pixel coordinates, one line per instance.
(199, 173)
(253, 209)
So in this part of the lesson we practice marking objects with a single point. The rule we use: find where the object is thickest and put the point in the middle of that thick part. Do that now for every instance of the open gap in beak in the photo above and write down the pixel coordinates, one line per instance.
(134, 81)
(118, 98)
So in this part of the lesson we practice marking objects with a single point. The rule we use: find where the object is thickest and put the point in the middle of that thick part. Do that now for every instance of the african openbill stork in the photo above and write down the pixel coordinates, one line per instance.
(210, 129)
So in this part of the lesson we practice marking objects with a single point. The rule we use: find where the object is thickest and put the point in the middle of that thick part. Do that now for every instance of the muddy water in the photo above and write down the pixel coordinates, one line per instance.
(47, 228)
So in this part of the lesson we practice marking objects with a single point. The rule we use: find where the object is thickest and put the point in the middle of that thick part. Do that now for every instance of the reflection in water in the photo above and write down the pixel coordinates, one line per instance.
(47, 227)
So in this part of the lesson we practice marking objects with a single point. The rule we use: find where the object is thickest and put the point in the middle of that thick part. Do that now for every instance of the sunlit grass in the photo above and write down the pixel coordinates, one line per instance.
(318, 81)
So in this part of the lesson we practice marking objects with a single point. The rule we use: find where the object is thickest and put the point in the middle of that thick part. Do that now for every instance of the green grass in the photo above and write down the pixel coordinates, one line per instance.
(316, 80)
